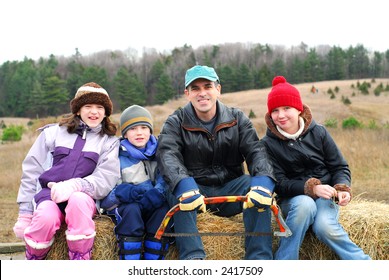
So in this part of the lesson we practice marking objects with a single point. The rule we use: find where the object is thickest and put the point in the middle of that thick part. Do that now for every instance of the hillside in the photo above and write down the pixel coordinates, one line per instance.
(363, 107)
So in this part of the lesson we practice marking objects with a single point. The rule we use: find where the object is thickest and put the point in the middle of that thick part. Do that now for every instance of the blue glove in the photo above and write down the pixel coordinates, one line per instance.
(151, 200)
(110, 201)
(161, 188)
(161, 185)
(128, 193)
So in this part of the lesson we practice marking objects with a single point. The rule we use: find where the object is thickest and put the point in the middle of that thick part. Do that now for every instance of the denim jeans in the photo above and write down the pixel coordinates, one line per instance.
(256, 247)
(323, 216)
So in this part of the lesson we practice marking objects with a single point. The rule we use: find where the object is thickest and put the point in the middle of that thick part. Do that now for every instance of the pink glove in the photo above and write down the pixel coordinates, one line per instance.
(24, 220)
(61, 191)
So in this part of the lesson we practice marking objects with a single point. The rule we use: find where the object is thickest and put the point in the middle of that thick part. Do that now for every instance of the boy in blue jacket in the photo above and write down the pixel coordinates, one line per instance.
(138, 200)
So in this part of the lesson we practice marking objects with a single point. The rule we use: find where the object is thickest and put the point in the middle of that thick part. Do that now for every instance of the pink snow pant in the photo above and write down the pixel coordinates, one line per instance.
(48, 218)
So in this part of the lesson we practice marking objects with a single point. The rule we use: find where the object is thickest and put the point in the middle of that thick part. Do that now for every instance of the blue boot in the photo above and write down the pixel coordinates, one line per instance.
(155, 249)
(130, 248)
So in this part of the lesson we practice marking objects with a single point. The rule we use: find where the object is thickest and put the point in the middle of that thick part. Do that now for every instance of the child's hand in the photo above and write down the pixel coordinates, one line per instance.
(24, 220)
(128, 193)
(61, 191)
(151, 200)
(343, 198)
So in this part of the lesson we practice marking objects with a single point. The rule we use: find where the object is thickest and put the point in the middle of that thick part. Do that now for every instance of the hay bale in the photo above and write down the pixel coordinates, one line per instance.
(104, 247)
(366, 222)
(367, 225)
(218, 247)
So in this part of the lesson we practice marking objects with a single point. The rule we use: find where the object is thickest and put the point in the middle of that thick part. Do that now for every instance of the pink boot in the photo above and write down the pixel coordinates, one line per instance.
(80, 246)
(37, 251)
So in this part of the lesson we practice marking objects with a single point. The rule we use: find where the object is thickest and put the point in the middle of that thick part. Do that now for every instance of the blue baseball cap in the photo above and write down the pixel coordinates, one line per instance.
(199, 71)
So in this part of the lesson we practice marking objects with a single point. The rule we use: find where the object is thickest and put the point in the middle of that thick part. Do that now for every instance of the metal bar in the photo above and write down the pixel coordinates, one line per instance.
(284, 229)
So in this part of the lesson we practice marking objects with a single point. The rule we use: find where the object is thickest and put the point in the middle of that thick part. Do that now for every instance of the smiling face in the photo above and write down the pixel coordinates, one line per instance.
(92, 114)
(138, 135)
(203, 95)
(286, 118)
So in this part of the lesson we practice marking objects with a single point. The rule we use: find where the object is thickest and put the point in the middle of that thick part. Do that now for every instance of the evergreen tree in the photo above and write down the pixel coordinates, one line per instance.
(73, 77)
(358, 66)
(95, 74)
(312, 69)
(129, 89)
(55, 95)
(295, 70)
(245, 78)
(336, 64)
(377, 65)
(19, 88)
(278, 67)
(164, 89)
(227, 78)
(264, 77)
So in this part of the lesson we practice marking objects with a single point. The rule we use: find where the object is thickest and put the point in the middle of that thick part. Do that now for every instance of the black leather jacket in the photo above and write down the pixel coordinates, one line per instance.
(187, 149)
(312, 155)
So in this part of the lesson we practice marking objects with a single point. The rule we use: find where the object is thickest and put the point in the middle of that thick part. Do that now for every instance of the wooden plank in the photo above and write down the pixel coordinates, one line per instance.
(8, 248)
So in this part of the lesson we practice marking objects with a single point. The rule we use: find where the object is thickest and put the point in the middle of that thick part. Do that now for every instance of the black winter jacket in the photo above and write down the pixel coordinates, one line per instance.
(313, 155)
(187, 149)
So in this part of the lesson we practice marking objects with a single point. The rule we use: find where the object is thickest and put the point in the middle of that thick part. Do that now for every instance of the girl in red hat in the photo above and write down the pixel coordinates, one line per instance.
(313, 178)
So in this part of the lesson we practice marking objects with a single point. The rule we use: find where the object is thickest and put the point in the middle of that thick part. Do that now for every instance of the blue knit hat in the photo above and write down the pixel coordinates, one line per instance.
(199, 71)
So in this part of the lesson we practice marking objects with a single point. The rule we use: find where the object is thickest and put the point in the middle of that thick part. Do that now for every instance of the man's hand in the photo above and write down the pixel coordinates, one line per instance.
(61, 191)
(192, 200)
(258, 197)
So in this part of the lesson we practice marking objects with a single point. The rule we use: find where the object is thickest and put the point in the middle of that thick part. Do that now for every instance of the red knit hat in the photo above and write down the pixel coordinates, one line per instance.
(283, 94)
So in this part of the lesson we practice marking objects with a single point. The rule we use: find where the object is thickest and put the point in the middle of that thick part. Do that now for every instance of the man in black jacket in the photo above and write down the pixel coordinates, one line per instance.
(201, 151)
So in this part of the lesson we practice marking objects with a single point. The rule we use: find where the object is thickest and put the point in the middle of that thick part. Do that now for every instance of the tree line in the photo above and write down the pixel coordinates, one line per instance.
(44, 87)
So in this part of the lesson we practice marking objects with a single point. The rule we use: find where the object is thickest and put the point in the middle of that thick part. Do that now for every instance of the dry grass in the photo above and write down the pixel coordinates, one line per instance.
(367, 151)
(104, 247)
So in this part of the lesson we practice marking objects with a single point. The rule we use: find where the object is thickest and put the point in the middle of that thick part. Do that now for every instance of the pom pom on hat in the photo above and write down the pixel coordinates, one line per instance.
(283, 94)
(277, 80)
(135, 115)
(91, 93)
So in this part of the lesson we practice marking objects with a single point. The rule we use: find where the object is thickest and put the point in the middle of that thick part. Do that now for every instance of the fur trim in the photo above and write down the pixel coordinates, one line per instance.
(308, 187)
(343, 188)
(92, 98)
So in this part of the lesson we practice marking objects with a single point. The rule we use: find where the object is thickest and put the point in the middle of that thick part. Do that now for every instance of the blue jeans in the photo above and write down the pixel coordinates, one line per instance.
(256, 247)
(323, 215)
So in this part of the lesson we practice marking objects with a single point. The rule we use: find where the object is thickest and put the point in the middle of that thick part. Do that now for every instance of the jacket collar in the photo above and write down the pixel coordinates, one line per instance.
(191, 121)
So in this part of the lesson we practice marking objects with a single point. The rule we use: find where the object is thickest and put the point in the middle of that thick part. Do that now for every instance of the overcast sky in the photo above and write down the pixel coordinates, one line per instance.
(38, 28)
